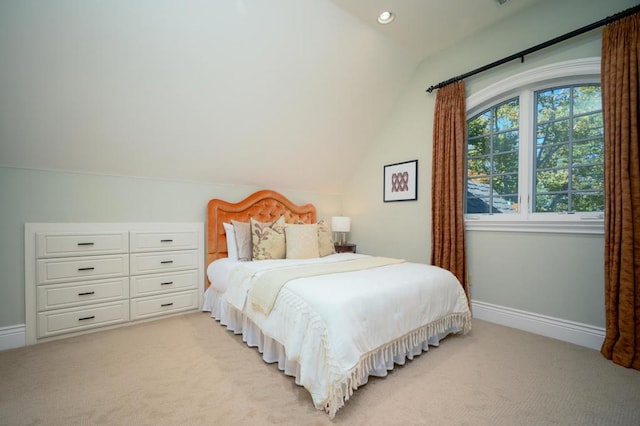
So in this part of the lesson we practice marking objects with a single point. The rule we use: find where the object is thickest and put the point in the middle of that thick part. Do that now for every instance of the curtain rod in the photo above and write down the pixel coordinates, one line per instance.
(521, 55)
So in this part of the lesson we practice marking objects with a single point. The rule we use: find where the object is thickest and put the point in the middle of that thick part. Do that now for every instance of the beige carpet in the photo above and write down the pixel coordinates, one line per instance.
(189, 370)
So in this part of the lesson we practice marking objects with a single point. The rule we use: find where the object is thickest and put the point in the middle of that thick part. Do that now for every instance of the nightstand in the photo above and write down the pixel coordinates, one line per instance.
(345, 248)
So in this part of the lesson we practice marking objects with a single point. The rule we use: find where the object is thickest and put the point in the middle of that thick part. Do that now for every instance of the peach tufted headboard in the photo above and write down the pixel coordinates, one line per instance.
(263, 206)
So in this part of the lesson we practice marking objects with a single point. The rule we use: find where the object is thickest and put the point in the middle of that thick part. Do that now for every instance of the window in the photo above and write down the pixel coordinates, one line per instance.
(492, 159)
(535, 152)
(569, 150)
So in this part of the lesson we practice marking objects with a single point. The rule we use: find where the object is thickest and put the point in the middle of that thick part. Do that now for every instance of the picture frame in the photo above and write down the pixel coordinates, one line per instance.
(400, 181)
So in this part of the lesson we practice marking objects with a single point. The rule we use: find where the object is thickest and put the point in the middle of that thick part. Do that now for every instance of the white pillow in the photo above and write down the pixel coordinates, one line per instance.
(232, 247)
(242, 231)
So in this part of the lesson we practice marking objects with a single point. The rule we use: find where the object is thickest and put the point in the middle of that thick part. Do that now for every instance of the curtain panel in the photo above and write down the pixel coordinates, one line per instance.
(620, 86)
(447, 195)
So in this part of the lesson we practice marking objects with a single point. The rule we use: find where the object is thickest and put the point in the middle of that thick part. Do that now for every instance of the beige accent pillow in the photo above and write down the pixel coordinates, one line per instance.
(302, 241)
(242, 230)
(325, 241)
(268, 239)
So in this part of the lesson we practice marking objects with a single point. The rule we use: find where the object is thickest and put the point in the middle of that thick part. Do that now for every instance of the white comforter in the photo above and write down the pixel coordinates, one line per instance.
(339, 327)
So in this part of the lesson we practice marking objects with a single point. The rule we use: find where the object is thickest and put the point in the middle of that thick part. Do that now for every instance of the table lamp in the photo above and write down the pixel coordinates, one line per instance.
(341, 225)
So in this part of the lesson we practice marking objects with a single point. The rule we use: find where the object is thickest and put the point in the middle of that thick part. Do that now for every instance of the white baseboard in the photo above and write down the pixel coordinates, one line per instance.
(568, 331)
(556, 328)
(12, 337)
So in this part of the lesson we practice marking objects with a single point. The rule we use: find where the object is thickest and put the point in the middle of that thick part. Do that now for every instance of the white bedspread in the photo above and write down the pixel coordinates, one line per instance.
(337, 326)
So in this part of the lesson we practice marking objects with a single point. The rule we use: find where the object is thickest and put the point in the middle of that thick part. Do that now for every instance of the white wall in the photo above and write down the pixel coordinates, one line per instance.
(43, 196)
(234, 91)
(554, 275)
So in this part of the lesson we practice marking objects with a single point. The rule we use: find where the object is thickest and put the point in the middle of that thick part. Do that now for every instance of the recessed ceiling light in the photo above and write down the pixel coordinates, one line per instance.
(386, 17)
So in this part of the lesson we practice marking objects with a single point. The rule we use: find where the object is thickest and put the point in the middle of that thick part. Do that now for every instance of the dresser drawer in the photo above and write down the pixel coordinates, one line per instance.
(81, 268)
(55, 296)
(145, 263)
(161, 305)
(147, 285)
(71, 244)
(163, 241)
(77, 319)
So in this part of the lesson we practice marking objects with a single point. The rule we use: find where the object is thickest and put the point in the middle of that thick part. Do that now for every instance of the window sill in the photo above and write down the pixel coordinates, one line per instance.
(590, 226)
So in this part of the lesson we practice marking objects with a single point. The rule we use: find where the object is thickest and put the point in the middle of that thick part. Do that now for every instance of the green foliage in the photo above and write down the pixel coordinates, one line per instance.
(569, 150)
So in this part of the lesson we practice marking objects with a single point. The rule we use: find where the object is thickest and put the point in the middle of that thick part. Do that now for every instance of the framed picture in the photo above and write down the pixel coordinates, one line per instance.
(401, 181)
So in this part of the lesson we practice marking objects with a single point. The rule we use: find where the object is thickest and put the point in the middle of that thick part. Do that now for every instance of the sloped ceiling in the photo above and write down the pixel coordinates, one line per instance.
(424, 27)
(278, 93)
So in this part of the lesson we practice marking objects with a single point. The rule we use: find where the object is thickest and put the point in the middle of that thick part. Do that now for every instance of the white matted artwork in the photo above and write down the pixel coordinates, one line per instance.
(401, 181)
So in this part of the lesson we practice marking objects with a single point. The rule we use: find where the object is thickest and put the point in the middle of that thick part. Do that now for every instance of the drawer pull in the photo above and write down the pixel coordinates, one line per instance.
(167, 283)
(90, 268)
(86, 293)
(85, 244)
(86, 318)
(166, 304)
(165, 262)
(166, 241)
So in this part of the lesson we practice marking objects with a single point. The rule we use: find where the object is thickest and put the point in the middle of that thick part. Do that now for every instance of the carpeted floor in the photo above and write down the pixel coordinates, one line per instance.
(189, 370)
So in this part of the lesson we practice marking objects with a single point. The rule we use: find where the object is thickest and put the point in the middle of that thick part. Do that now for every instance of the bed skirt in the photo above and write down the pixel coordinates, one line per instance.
(377, 363)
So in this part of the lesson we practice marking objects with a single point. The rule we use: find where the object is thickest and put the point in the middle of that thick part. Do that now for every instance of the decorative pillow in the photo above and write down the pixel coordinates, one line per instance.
(232, 248)
(242, 231)
(268, 239)
(325, 242)
(302, 241)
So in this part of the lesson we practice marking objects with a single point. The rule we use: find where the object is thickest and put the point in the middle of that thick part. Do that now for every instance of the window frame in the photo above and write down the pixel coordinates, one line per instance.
(524, 86)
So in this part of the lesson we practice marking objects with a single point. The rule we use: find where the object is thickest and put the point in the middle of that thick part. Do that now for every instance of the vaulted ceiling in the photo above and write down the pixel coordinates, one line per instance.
(279, 93)
(424, 27)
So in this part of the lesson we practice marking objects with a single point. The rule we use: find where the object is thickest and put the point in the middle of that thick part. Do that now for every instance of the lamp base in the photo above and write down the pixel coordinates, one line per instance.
(343, 238)
(340, 238)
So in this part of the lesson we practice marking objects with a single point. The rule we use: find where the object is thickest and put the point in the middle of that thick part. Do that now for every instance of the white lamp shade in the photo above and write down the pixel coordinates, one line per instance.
(341, 224)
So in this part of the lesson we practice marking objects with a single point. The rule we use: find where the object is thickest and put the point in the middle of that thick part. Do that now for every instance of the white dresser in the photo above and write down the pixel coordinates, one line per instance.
(84, 276)
(164, 272)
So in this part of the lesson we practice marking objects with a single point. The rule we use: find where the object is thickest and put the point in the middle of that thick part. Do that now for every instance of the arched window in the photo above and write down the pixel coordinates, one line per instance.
(535, 152)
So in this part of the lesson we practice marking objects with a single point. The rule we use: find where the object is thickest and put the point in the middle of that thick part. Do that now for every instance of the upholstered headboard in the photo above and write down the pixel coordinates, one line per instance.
(263, 206)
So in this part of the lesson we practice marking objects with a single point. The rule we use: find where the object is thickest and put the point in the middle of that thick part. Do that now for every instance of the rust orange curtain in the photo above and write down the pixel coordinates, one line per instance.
(447, 195)
(620, 86)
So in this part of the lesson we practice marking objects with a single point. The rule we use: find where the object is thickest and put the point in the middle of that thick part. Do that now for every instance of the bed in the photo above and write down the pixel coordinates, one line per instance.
(328, 319)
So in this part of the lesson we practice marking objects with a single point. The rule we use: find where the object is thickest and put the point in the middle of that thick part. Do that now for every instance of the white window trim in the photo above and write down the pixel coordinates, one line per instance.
(574, 68)
(579, 223)
(553, 224)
